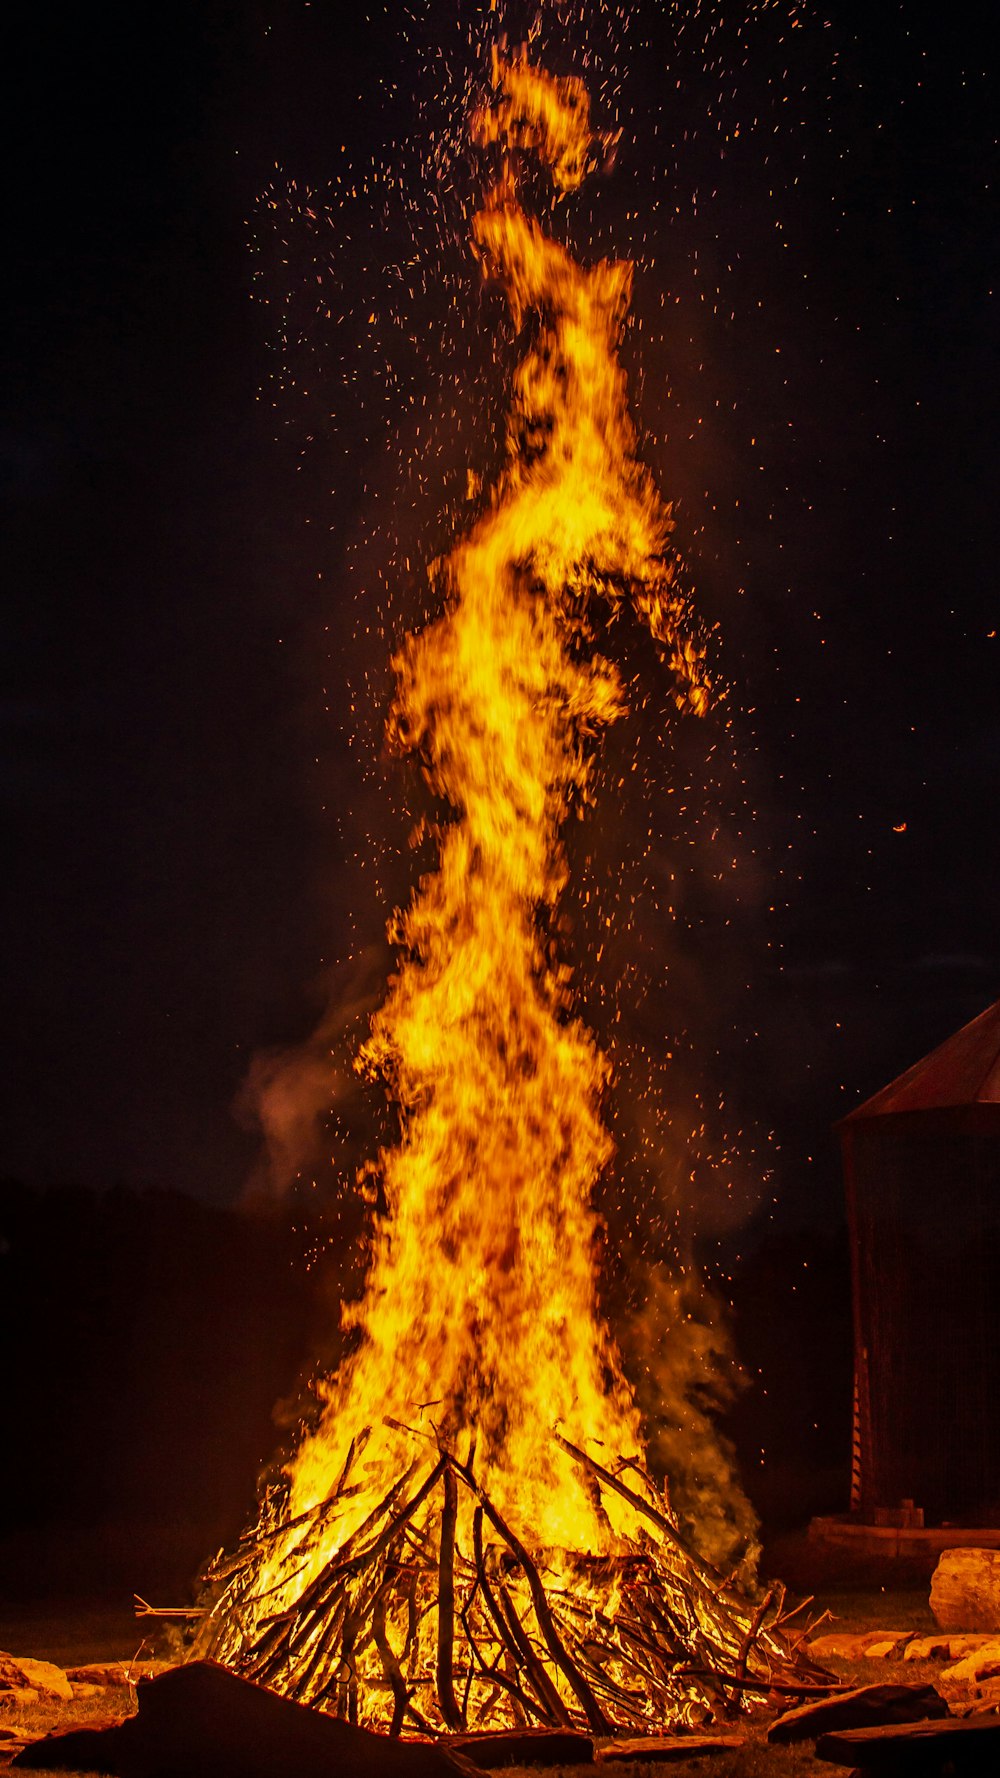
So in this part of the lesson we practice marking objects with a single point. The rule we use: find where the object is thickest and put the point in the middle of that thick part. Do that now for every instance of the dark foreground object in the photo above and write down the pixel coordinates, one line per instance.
(918, 1750)
(199, 1721)
(865, 1707)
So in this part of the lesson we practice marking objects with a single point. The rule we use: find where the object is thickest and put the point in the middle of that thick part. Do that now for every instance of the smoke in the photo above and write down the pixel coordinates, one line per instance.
(680, 1358)
(290, 1094)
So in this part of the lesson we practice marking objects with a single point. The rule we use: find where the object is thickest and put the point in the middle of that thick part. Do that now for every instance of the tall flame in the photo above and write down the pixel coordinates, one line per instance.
(481, 1346)
(480, 1315)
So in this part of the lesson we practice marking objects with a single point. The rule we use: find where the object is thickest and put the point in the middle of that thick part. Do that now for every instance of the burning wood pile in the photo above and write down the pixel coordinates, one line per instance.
(407, 1626)
(539, 1578)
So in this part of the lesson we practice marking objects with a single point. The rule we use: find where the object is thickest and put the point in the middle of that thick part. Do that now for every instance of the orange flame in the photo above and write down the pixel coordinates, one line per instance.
(480, 1321)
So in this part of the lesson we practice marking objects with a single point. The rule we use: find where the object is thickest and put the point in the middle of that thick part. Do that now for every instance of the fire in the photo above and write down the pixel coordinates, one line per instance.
(480, 1313)
(485, 1412)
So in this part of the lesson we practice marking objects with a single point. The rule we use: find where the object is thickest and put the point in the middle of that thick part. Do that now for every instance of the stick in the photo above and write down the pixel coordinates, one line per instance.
(767, 1685)
(540, 1680)
(752, 1629)
(446, 1606)
(592, 1709)
(390, 1665)
(142, 1609)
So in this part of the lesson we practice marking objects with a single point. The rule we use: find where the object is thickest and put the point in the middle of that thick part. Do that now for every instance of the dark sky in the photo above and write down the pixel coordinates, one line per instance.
(187, 558)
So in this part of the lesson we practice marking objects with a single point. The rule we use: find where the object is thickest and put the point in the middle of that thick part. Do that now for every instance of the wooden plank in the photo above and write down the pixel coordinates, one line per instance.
(523, 1747)
(970, 1743)
(662, 1749)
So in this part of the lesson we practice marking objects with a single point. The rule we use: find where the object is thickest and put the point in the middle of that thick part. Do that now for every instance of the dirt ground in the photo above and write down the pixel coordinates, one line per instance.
(75, 1633)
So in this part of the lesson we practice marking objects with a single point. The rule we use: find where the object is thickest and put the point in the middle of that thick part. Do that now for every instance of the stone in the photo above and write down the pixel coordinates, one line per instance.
(965, 1678)
(45, 1677)
(838, 1645)
(72, 1749)
(944, 1647)
(204, 1722)
(965, 1590)
(887, 1648)
(101, 1673)
(858, 1645)
(862, 1707)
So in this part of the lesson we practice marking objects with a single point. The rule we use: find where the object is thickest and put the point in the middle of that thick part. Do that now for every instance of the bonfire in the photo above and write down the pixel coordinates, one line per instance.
(469, 1537)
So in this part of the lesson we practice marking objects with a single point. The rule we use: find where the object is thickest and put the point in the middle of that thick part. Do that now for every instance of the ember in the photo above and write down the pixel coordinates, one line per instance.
(470, 1537)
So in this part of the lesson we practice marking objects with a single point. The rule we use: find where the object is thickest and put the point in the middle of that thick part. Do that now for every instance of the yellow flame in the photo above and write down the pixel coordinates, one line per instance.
(480, 1320)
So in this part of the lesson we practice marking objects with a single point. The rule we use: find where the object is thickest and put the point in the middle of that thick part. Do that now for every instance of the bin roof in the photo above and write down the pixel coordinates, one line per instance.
(962, 1071)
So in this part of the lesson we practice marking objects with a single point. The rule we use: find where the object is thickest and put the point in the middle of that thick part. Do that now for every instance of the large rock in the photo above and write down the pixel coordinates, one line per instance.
(965, 1590)
(19, 1673)
(865, 1706)
(201, 1722)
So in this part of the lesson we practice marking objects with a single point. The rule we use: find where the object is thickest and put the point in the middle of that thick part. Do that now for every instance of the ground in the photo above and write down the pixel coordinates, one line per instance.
(74, 1634)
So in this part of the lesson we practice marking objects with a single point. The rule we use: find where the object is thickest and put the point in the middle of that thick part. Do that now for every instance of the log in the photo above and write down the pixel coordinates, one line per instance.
(523, 1652)
(446, 1606)
(390, 1665)
(965, 1590)
(664, 1749)
(664, 1525)
(906, 1750)
(866, 1706)
(523, 1747)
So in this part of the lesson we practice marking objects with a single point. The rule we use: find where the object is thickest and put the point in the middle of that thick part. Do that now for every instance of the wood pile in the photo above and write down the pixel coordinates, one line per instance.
(404, 1629)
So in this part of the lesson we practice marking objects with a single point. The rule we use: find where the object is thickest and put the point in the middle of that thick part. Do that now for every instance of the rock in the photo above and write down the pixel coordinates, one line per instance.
(87, 1691)
(203, 1722)
(986, 1699)
(14, 1696)
(839, 1645)
(45, 1677)
(966, 1677)
(858, 1645)
(965, 1590)
(905, 1749)
(524, 1747)
(101, 1673)
(72, 1749)
(863, 1707)
(945, 1648)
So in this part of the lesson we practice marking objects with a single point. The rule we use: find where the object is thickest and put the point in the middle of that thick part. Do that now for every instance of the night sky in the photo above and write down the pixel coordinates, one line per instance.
(227, 445)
